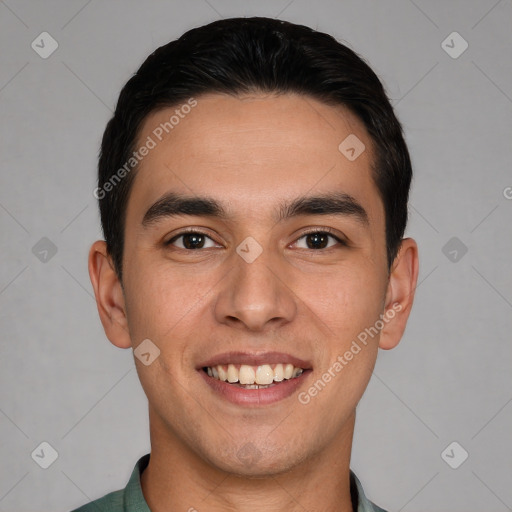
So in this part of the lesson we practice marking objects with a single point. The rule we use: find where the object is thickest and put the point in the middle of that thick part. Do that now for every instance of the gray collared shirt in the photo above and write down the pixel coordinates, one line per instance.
(131, 499)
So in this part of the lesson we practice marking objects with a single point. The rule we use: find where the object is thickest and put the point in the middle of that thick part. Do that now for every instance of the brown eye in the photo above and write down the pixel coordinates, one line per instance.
(191, 241)
(318, 240)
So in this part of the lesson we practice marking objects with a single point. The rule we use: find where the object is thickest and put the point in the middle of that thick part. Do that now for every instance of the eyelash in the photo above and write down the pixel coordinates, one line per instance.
(326, 230)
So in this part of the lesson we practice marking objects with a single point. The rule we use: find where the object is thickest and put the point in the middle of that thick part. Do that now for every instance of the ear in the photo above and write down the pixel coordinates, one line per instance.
(400, 294)
(109, 295)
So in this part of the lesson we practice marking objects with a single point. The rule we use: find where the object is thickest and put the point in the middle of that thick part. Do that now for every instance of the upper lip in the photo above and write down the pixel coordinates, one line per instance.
(255, 359)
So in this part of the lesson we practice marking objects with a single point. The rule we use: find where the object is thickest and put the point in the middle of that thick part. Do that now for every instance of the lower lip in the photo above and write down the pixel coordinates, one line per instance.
(253, 397)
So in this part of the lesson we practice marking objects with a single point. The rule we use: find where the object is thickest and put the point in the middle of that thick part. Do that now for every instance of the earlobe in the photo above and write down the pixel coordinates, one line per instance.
(109, 295)
(400, 294)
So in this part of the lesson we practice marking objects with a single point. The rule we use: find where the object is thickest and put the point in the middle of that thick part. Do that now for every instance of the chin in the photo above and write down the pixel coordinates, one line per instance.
(250, 462)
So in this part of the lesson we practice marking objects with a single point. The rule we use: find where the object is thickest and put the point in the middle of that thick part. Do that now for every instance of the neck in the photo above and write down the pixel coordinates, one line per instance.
(177, 478)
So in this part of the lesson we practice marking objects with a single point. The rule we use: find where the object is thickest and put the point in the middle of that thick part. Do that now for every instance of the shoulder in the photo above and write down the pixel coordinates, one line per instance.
(124, 500)
(112, 502)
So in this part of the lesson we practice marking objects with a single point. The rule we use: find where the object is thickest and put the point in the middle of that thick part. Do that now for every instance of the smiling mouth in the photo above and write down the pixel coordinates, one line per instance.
(254, 377)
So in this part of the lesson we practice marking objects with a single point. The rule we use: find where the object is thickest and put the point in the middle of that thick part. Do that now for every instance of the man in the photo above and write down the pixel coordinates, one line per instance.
(253, 188)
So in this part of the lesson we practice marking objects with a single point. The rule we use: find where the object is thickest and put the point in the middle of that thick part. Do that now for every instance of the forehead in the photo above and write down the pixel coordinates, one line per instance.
(252, 150)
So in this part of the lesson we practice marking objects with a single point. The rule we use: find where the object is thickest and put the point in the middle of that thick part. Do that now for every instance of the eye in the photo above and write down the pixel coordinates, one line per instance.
(318, 240)
(192, 240)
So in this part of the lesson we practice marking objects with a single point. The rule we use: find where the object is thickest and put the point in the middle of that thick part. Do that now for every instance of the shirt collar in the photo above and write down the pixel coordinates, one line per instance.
(134, 499)
(364, 504)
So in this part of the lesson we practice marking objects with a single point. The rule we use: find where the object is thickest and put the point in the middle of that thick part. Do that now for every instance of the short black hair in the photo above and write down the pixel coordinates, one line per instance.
(246, 55)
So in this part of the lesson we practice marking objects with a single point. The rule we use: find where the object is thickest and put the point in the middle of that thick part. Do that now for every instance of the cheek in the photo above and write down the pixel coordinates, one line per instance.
(347, 301)
(348, 305)
(161, 302)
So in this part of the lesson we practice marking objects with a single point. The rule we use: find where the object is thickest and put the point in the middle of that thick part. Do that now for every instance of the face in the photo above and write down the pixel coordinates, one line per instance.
(252, 240)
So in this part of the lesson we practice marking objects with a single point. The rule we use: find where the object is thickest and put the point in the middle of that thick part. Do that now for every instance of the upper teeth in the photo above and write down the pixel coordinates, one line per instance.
(245, 374)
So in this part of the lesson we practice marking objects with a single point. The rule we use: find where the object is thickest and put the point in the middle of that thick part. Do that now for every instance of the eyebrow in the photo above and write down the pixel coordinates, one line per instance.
(337, 203)
(172, 204)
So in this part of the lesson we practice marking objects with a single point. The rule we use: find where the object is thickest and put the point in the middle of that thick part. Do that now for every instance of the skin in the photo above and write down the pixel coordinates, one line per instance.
(251, 153)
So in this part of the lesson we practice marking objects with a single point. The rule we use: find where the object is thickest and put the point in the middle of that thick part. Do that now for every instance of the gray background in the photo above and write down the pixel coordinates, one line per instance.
(62, 382)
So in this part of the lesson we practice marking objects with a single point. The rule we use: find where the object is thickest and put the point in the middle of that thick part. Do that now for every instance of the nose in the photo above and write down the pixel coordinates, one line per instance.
(255, 296)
